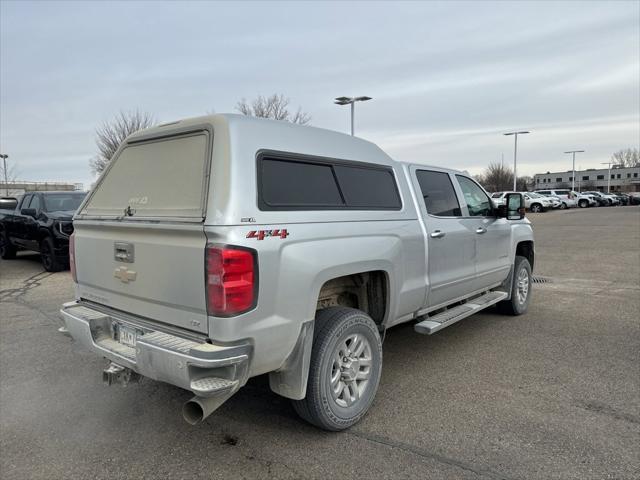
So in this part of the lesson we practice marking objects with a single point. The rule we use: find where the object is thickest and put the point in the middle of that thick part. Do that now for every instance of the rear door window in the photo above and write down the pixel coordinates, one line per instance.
(157, 178)
(438, 193)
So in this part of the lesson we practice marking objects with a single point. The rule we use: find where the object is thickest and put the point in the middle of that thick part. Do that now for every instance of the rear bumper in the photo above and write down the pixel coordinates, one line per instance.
(205, 369)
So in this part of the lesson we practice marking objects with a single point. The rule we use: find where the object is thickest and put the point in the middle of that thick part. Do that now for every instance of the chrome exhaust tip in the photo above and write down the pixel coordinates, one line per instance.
(198, 408)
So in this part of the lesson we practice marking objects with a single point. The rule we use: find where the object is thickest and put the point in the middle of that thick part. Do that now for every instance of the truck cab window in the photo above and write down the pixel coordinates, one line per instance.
(478, 202)
(35, 203)
(438, 193)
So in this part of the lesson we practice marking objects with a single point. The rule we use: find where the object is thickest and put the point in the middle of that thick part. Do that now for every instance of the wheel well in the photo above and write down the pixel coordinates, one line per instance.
(525, 249)
(366, 291)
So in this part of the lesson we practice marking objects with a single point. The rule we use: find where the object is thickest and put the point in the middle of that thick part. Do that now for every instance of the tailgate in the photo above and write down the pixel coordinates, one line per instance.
(151, 270)
(139, 237)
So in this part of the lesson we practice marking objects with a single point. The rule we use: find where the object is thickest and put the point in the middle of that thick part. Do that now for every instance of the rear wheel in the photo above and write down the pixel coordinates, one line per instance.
(536, 208)
(346, 363)
(7, 251)
(50, 260)
(563, 206)
(520, 288)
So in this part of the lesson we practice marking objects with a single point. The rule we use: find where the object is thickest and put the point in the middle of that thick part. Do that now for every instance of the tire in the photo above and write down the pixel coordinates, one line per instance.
(563, 206)
(583, 203)
(520, 289)
(536, 208)
(50, 260)
(7, 251)
(331, 402)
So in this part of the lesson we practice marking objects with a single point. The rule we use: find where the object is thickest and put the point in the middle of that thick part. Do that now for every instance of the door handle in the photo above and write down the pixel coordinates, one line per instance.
(481, 230)
(437, 234)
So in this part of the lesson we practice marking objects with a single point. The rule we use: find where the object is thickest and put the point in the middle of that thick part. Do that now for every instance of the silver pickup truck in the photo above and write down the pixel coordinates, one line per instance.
(219, 248)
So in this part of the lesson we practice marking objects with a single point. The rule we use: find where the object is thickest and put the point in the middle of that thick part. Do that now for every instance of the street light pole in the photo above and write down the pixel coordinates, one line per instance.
(573, 178)
(515, 156)
(608, 164)
(4, 169)
(351, 101)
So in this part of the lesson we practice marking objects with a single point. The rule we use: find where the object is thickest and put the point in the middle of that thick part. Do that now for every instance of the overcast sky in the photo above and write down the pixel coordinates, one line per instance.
(447, 78)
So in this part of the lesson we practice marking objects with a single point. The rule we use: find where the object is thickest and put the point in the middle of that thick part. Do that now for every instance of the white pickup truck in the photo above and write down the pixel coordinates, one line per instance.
(223, 247)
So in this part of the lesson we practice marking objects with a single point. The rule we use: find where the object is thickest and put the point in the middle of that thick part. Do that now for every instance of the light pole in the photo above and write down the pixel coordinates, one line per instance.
(515, 156)
(608, 164)
(351, 101)
(4, 169)
(573, 179)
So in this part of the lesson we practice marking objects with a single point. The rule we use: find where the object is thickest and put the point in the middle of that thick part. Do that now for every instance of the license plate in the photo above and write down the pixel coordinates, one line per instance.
(127, 336)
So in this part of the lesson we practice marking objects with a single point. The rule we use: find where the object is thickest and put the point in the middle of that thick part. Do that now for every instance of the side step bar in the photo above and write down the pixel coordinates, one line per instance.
(455, 314)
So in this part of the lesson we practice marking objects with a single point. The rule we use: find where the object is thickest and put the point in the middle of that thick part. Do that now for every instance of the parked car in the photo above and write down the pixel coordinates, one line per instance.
(533, 201)
(566, 197)
(585, 200)
(287, 250)
(634, 198)
(555, 201)
(623, 198)
(600, 198)
(40, 222)
(607, 200)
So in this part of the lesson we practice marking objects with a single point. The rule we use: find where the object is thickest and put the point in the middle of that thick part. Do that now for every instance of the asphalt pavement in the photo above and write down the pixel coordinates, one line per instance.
(551, 394)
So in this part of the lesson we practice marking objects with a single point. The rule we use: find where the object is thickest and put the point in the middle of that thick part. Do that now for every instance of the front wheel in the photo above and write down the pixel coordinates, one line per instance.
(50, 260)
(563, 206)
(536, 208)
(583, 203)
(345, 368)
(520, 288)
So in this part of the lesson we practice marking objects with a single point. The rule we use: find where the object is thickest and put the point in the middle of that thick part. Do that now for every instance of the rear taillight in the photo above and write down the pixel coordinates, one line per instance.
(231, 280)
(72, 257)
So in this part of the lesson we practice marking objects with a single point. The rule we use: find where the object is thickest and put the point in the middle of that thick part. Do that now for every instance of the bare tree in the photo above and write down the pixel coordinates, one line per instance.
(497, 178)
(274, 107)
(111, 134)
(524, 183)
(628, 157)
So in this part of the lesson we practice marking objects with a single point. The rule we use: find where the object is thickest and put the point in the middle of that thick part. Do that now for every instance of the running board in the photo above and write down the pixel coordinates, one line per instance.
(455, 314)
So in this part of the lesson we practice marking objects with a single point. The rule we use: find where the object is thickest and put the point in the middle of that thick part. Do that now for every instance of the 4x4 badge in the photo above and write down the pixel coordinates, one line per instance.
(261, 234)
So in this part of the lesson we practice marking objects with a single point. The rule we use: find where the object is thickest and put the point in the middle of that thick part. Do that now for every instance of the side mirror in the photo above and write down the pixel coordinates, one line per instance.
(29, 211)
(514, 206)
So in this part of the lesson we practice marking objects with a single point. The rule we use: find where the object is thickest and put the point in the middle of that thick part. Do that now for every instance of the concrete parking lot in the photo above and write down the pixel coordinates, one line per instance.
(551, 394)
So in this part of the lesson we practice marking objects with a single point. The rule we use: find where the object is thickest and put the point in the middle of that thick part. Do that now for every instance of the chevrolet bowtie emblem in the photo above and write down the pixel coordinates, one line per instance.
(124, 274)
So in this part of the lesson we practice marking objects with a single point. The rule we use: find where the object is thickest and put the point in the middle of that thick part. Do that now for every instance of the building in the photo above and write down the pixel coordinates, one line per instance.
(18, 187)
(618, 179)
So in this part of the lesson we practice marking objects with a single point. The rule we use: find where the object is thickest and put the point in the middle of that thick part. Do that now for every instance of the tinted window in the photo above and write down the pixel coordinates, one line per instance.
(286, 183)
(295, 184)
(496, 195)
(478, 203)
(438, 193)
(35, 202)
(367, 187)
(63, 201)
(562, 192)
